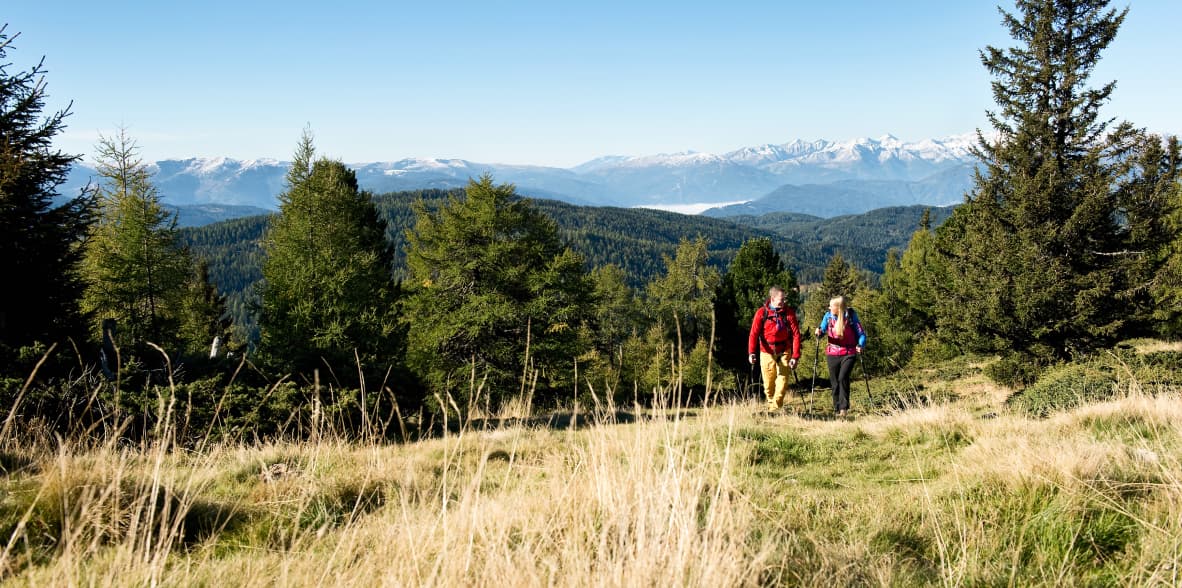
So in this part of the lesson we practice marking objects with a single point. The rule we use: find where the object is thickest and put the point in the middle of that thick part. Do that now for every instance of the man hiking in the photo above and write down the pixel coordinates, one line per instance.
(773, 329)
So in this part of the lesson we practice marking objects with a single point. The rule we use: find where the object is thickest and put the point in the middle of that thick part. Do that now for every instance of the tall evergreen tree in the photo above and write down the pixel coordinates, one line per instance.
(683, 298)
(1166, 286)
(328, 296)
(912, 281)
(840, 279)
(40, 238)
(136, 268)
(495, 291)
(1034, 257)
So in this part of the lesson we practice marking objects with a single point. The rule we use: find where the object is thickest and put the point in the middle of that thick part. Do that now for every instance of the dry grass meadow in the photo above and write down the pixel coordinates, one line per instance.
(958, 490)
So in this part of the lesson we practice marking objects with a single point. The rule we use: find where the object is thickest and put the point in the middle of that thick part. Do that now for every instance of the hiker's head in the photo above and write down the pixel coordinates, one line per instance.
(775, 296)
(837, 306)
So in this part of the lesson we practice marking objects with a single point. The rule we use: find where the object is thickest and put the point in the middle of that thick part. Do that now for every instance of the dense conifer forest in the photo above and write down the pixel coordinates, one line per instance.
(635, 239)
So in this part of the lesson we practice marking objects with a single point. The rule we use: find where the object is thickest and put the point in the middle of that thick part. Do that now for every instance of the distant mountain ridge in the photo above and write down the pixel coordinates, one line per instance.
(747, 174)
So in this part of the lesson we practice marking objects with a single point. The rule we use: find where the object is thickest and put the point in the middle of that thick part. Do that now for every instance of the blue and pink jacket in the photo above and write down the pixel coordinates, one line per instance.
(853, 337)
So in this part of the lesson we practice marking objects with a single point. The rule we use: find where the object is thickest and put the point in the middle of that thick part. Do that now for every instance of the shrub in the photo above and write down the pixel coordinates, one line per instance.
(1066, 387)
(932, 351)
(1015, 370)
(1160, 368)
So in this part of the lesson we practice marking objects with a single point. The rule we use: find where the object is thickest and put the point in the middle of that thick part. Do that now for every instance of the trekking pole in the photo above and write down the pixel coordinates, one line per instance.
(813, 386)
(750, 378)
(863, 361)
(816, 354)
(795, 389)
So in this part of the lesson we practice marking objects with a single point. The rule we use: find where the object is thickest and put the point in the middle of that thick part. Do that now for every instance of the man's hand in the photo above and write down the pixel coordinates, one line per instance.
(792, 363)
(751, 358)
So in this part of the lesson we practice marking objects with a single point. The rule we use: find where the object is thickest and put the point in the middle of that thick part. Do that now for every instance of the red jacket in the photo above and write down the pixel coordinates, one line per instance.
(778, 327)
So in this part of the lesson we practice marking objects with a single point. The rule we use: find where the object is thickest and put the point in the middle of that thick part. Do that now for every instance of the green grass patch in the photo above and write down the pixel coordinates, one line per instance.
(850, 458)
(1132, 429)
(1037, 532)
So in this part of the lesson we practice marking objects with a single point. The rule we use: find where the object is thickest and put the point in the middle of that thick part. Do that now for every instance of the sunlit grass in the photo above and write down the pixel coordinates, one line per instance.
(959, 491)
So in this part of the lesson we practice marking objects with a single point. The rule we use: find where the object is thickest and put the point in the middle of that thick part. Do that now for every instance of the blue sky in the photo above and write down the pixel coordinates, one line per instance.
(547, 83)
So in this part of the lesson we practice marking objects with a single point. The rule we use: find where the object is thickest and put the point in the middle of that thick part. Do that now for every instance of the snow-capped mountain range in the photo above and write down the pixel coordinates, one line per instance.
(879, 167)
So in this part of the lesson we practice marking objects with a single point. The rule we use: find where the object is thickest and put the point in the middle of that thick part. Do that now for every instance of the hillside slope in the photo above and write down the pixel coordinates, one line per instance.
(961, 490)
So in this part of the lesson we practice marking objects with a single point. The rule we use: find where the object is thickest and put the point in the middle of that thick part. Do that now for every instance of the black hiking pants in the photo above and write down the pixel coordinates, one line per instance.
(840, 367)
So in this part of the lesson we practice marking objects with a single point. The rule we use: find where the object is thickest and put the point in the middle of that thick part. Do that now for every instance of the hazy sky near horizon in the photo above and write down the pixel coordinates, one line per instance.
(547, 83)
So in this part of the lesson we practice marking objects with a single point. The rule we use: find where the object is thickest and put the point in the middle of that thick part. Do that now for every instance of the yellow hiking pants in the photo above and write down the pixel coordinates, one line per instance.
(775, 378)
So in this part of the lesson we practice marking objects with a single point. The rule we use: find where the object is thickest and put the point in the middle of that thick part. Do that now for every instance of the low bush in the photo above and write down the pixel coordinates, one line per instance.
(1065, 387)
(1013, 371)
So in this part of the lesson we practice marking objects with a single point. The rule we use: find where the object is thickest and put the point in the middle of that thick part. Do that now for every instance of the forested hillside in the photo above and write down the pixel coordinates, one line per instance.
(862, 239)
(635, 239)
(233, 251)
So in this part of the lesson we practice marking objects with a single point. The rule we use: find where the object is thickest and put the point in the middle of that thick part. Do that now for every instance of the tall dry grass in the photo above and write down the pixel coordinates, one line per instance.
(720, 496)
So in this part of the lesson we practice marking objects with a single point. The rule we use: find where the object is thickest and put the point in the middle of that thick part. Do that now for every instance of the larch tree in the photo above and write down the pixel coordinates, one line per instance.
(902, 311)
(616, 313)
(136, 268)
(328, 296)
(682, 301)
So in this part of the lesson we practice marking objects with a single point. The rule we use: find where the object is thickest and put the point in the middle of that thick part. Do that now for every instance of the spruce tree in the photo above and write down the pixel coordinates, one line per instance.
(1165, 285)
(1036, 257)
(135, 265)
(328, 296)
(40, 236)
(496, 295)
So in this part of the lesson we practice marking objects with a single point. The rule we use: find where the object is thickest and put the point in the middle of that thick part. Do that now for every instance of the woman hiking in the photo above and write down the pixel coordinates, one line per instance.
(846, 340)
